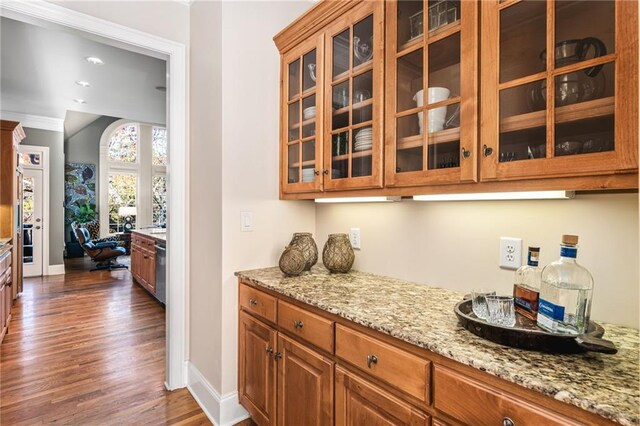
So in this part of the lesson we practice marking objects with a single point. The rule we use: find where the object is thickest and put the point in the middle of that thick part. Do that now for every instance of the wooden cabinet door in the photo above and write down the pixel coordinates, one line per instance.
(359, 402)
(257, 369)
(301, 117)
(559, 88)
(150, 267)
(431, 92)
(3, 316)
(8, 302)
(305, 386)
(354, 96)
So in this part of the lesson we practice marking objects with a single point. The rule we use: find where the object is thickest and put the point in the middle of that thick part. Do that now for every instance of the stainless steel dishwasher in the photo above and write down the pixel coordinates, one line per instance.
(161, 272)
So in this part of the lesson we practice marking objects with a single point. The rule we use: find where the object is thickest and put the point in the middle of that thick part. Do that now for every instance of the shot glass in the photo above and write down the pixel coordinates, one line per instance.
(501, 310)
(479, 301)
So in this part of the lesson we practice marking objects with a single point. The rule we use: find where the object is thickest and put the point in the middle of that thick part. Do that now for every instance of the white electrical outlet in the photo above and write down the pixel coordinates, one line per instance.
(510, 252)
(354, 236)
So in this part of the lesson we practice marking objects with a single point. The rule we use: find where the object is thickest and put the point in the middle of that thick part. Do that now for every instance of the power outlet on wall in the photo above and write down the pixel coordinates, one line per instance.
(354, 236)
(510, 253)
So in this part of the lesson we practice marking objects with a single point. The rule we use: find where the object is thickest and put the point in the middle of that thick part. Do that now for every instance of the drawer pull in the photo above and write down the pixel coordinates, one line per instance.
(371, 359)
(298, 324)
(507, 422)
(253, 302)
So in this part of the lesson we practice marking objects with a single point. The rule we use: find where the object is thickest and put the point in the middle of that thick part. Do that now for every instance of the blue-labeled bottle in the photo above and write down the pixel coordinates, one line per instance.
(565, 293)
(526, 287)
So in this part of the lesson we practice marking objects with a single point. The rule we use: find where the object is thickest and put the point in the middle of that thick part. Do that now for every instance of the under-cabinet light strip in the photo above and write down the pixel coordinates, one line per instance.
(492, 196)
(358, 200)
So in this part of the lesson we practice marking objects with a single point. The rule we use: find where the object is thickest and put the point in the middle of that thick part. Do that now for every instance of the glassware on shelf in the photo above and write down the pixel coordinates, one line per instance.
(312, 71)
(442, 13)
(415, 25)
(363, 50)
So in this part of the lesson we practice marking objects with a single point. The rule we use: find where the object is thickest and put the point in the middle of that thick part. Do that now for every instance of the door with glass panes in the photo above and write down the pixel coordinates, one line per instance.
(431, 93)
(353, 108)
(302, 118)
(559, 88)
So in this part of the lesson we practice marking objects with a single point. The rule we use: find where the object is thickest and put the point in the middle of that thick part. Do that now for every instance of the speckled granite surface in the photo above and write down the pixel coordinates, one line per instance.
(608, 385)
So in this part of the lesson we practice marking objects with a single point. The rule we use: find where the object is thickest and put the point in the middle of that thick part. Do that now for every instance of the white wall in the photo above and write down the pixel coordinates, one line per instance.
(455, 244)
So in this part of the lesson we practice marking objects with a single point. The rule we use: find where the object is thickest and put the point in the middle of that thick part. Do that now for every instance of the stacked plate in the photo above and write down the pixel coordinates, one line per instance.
(308, 113)
(308, 175)
(364, 139)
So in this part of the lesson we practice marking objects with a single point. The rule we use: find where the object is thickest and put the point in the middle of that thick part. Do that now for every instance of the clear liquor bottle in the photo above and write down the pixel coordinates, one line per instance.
(566, 292)
(526, 287)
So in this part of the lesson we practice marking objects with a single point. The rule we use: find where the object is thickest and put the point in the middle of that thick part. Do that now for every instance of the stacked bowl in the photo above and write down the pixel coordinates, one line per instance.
(364, 139)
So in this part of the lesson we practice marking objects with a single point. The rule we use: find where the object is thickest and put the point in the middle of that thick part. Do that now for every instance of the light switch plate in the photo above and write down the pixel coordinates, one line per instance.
(246, 221)
(354, 236)
(510, 253)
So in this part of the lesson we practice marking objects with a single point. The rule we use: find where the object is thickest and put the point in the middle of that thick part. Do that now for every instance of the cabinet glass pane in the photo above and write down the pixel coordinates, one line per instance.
(294, 79)
(294, 121)
(523, 38)
(410, 21)
(410, 81)
(583, 30)
(309, 70)
(444, 137)
(340, 58)
(523, 122)
(308, 163)
(361, 159)
(309, 116)
(585, 112)
(340, 100)
(409, 143)
(339, 154)
(362, 101)
(293, 162)
(442, 12)
(363, 41)
(444, 68)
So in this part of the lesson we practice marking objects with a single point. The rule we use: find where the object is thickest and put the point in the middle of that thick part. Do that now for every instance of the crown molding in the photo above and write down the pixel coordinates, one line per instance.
(35, 121)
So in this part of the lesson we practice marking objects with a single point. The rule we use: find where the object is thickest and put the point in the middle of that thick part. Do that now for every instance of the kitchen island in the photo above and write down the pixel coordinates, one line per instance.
(148, 261)
(423, 316)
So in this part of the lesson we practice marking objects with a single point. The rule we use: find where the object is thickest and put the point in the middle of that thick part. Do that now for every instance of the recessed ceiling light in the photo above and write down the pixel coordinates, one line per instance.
(80, 101)
(83, 83)
(94, 60)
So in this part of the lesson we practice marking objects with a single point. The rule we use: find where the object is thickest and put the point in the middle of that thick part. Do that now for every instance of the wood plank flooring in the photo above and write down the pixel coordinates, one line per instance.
(88, 348)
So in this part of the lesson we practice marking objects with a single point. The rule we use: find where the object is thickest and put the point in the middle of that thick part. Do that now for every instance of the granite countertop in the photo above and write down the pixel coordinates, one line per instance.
(607, 385)
(160, 236)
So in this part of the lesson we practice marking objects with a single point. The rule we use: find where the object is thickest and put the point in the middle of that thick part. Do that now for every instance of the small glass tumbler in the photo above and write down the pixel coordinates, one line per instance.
(479, 301)
(502, 310)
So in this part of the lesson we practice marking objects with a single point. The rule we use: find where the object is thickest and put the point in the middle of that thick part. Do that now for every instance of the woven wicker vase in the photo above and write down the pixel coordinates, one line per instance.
(304, 242)
(292, 261)
(338, 255)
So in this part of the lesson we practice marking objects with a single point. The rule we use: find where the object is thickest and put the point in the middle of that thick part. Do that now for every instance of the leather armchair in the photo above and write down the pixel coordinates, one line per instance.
(104, 253)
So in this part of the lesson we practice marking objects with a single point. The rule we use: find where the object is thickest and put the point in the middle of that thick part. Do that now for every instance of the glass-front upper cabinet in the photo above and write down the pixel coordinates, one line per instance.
(353, 135)
(559, 88)
(301, 149)
(431, 92)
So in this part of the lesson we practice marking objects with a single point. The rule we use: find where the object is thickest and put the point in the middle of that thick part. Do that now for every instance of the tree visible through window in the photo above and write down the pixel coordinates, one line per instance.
(159, 146)
(122, 193)
(123, 144)
(159, 200)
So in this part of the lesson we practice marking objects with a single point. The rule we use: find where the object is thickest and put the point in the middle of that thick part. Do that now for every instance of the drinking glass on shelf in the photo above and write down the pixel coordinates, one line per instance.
(501, 310)
(479, 301)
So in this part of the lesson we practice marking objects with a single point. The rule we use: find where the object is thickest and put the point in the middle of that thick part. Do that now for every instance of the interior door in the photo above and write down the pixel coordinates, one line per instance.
(32, 223)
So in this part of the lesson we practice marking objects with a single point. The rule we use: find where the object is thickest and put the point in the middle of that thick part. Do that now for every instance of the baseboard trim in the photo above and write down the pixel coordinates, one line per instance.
(221, 410)
(55, 269)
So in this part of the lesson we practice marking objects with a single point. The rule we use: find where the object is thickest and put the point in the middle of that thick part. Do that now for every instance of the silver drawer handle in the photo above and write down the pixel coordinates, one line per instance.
(507, 422)
(371, 359)
(253, 302)
(298, 324)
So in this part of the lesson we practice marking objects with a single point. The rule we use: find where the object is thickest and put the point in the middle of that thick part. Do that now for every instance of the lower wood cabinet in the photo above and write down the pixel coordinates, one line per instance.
(358, 402)
(143, 262)
(300, 366)
(6, 295)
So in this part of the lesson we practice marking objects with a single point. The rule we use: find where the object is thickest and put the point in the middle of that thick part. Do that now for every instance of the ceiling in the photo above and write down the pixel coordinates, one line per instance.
(39, 68)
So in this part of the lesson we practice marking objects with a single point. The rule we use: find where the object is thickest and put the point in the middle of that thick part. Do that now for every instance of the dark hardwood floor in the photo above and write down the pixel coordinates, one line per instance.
(88, 348)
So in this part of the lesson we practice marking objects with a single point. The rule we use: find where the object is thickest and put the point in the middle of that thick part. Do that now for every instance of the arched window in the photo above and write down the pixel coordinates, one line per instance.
(133, 160)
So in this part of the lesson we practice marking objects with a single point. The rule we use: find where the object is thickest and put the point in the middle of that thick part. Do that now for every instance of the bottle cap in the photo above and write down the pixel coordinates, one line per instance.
(571, 240)
(536, 249)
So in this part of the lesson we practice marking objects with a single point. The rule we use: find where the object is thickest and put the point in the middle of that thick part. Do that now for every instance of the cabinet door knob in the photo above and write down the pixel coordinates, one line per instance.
(371, 359)
(465, 153)
(298, 324)
(253, 302)
(277, 356)
(487, 150)
(506, 421)
(325, 172)
(269, 350)
(316, 172)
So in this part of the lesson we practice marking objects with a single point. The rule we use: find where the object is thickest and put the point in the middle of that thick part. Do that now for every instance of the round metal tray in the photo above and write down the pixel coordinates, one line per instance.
(526, 334)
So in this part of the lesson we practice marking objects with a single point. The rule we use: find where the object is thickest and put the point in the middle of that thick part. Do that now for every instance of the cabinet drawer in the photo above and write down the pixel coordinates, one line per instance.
(308, 326)
(257, 302)
(474, 403)
(395, 366)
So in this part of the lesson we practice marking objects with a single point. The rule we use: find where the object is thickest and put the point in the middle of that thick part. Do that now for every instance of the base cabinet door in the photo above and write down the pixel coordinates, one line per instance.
(359, 402)
(305, 386)
(257, 369)
(3, 314)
